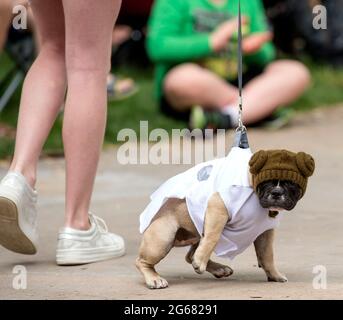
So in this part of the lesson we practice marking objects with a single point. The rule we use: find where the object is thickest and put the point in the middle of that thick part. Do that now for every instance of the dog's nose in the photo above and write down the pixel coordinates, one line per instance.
(276, 193)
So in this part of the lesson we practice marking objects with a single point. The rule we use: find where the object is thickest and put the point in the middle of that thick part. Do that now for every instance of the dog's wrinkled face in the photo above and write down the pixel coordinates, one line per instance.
(278, 194)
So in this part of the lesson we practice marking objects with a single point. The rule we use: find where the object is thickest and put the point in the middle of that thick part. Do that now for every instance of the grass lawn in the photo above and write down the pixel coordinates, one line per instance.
(326, 90)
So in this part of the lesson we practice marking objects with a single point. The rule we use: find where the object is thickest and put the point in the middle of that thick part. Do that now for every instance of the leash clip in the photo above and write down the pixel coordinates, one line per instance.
(241, 138)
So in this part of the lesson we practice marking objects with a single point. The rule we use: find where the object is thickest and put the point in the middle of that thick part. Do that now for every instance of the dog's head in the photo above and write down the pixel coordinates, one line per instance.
(278, 195)
(280, 177)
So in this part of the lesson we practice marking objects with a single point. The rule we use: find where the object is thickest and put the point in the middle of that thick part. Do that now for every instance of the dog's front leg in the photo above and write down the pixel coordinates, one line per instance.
(265, 256)
(216, 218)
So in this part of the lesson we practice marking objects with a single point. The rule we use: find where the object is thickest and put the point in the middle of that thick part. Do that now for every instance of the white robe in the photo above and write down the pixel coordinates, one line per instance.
(229, 177)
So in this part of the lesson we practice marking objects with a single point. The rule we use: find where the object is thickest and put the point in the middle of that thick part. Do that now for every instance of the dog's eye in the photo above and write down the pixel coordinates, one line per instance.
(292, 187)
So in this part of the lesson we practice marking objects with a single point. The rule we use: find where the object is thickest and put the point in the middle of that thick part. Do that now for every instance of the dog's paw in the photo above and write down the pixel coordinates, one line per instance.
(219, 270)
(199, 266)
(278, 278)
(157, 283)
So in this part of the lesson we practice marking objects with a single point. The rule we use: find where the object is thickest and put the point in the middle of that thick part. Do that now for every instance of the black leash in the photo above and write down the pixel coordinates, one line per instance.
(241, 137)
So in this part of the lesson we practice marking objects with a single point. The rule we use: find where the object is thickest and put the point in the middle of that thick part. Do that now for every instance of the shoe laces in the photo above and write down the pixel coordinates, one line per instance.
(100, 223)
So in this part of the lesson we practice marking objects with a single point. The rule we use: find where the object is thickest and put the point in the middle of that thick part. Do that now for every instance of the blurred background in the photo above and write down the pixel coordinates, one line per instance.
(131, 83)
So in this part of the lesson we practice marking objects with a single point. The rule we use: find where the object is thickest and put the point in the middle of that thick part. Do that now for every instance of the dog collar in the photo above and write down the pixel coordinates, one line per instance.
(273, 214)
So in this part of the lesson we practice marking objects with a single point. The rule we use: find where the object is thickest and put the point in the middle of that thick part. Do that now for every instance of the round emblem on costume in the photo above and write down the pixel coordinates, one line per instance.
(204, 173)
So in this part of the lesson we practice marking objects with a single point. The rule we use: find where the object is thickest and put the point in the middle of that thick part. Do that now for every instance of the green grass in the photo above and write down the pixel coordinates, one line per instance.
(326, 90)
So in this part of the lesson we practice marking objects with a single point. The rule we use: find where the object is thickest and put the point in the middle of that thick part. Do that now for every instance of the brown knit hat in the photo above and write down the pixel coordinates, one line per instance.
(281, 165)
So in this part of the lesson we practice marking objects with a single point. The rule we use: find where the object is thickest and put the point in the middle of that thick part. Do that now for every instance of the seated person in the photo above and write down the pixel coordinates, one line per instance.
(194, 46)
(131, 22)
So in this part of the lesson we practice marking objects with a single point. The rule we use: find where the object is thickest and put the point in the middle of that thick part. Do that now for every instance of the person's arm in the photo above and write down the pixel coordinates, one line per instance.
(259, 24)
(165, 41)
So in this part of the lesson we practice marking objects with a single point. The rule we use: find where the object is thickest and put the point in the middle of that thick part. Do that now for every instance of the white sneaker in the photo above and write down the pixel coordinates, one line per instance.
(96, 244)
(18, 214)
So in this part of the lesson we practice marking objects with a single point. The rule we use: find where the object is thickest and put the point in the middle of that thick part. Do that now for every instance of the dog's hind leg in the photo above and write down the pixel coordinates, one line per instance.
(265, 256)
(190, 253)
(216, 269)
(157, 242)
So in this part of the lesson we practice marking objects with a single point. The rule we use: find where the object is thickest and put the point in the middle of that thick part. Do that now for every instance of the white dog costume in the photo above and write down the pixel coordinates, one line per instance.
(229, 177)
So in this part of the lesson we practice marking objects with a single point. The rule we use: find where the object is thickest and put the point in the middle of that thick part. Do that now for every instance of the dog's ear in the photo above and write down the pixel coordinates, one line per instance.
(305, 164)
(257, 161)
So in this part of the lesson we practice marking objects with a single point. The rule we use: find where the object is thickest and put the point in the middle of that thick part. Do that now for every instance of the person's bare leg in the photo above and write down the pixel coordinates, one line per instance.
(282, 82)
(189, 84)
(43, 90)
(5, 20)
(89, 26)
(33, 29)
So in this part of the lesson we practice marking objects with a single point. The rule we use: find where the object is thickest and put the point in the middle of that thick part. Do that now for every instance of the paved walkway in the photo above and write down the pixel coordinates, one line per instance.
(310, 236)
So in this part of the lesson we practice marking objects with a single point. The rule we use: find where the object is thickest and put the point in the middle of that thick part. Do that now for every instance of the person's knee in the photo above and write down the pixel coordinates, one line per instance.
(300, 73)
(55, 45)
(182, 80)
(53, 49)
(88, 58)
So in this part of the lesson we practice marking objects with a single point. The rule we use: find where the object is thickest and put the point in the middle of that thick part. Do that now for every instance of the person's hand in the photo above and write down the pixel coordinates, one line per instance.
(220, 38)
(254, 42)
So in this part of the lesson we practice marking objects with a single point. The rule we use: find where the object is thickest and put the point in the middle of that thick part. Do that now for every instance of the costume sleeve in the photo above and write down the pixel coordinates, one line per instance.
(259, 23)
(165, 42)
(234, 198)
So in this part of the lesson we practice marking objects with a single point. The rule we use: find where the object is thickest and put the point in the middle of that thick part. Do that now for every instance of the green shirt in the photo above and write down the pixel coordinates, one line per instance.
(179, 31)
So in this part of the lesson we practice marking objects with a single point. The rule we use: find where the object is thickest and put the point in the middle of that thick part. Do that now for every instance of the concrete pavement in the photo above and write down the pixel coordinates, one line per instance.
(310, 236)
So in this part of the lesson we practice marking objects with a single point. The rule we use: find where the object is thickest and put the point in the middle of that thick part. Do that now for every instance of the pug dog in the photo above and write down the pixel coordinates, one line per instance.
(223, 206)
